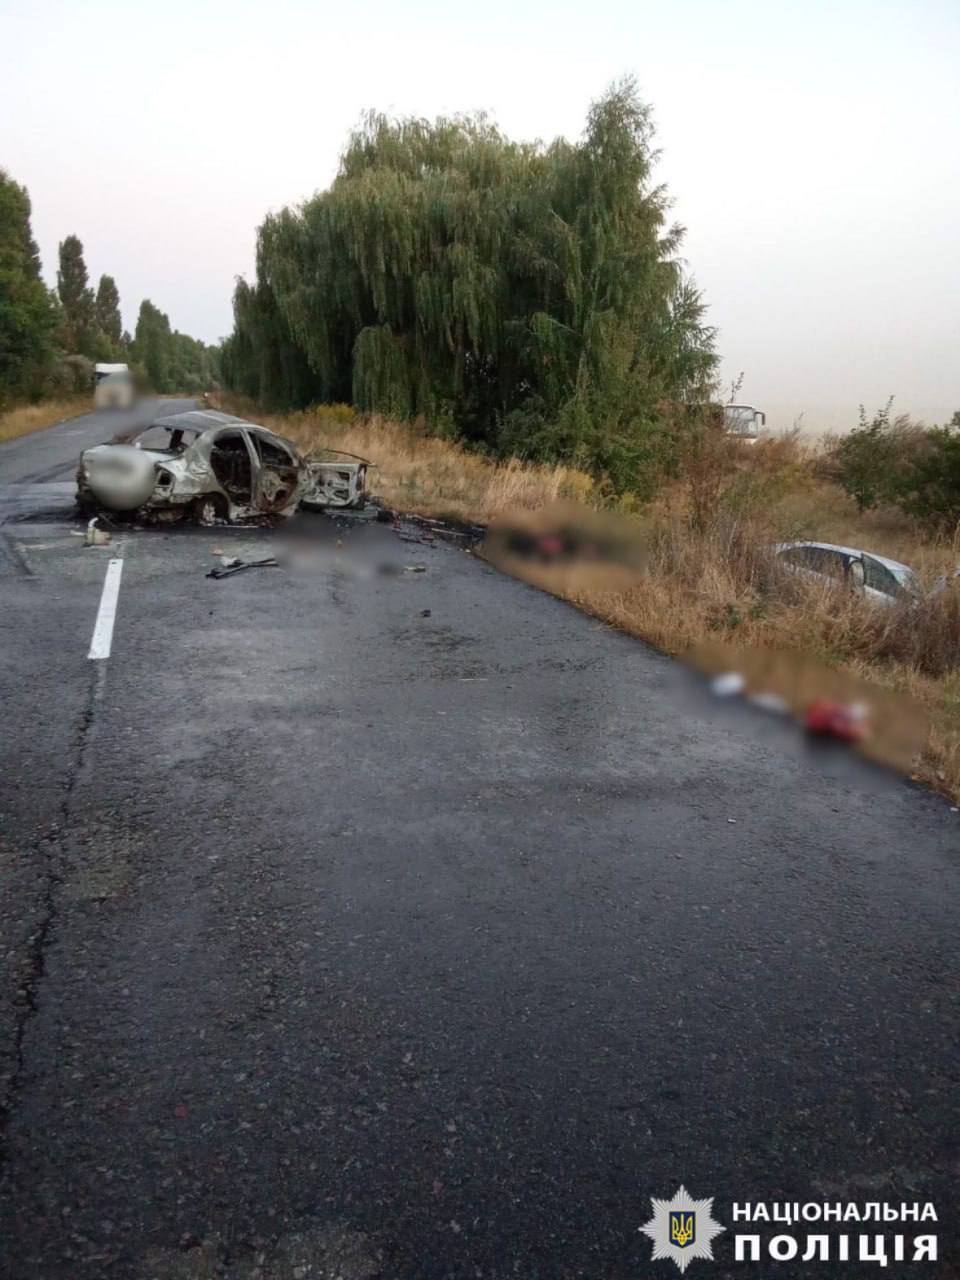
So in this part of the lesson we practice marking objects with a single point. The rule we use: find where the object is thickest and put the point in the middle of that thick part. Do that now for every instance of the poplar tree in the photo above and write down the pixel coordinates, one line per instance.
(27, 312)
(153, 345)
(172, 361)
(76, 297)
(107, 311)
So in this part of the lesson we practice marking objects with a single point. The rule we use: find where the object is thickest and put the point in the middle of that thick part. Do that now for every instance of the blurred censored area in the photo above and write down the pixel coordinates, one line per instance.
(810, 646)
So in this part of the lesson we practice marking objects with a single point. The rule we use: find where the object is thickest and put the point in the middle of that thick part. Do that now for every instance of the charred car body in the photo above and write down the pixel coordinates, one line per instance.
(211, 466)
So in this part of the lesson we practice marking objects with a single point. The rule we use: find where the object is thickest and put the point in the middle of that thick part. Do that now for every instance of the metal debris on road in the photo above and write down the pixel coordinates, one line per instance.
(237, 566)
(95, 537)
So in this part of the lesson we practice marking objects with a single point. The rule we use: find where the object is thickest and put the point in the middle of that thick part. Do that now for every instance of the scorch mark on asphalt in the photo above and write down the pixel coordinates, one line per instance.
(102, 639)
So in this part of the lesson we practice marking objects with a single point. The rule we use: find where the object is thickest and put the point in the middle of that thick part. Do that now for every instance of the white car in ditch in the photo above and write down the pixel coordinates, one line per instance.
(210, 466)
(878, 578)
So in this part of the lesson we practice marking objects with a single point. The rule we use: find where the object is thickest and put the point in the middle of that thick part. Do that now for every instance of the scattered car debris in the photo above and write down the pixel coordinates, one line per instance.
(214, 468)
(772, 702)
(728, 684)
(94, 537)
(236, 565)
(356, 514)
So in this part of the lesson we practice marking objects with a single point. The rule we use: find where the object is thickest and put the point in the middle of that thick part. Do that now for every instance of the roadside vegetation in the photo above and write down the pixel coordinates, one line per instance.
(526, 299)
(25, 418)
(420, 473)
(704, 584)
(892, 461)
(50, 339)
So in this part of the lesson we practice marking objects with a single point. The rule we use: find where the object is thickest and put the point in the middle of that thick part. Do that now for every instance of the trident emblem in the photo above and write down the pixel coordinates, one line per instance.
(682, 1228)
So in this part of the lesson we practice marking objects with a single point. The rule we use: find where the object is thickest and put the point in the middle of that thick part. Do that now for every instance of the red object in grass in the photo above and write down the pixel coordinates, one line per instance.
(846, 721)
(550, 545)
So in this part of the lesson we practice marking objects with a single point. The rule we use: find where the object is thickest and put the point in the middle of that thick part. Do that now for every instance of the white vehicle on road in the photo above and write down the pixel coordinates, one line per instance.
(113, 386)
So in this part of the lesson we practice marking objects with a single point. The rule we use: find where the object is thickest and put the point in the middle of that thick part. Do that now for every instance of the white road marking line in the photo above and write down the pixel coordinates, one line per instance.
(103, 627)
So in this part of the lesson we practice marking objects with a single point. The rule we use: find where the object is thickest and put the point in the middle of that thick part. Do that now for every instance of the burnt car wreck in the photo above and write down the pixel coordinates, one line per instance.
(211, 467)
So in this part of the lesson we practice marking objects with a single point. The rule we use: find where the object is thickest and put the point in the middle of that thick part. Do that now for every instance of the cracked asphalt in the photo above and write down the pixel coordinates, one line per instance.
(347, 939)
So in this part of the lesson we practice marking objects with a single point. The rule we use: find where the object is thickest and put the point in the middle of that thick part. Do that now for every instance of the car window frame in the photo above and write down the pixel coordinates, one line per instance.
(899, 590)
(276, 441)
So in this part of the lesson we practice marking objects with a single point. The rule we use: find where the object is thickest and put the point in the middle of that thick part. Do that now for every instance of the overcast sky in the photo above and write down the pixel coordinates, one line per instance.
(811, 149)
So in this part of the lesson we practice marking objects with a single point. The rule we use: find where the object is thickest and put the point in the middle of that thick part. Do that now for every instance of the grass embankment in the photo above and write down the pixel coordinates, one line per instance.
(701, 593)
(33, 417)
(421, 474)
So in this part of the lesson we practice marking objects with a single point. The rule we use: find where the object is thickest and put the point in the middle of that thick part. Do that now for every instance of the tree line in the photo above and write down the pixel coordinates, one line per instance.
(51, 338)
(527, 298)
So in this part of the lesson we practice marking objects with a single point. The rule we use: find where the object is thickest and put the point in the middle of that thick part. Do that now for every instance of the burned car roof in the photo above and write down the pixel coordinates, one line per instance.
(198, 420)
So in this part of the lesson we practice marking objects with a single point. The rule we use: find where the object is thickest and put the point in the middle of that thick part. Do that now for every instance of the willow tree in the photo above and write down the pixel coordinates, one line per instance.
(527, 297)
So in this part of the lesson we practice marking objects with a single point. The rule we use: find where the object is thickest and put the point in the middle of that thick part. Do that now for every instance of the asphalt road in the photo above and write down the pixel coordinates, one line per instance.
(413, 925)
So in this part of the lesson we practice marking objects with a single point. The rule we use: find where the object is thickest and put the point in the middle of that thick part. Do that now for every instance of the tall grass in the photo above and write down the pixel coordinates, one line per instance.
(423, 474)
(718, 596)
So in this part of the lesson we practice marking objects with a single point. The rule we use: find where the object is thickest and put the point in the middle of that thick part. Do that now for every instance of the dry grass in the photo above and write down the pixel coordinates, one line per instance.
(720, 600)
(709, 593)
(823, 512)
(419, 473)
(33, 417)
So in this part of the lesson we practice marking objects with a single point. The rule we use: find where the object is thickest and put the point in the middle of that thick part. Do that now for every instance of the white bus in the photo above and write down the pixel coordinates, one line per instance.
(743, 420)
(113, 387)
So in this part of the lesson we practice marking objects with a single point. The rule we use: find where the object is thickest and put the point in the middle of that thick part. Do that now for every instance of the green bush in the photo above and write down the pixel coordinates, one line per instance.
(903, 463)
(867, 462)
(70, 375)
(930, 488)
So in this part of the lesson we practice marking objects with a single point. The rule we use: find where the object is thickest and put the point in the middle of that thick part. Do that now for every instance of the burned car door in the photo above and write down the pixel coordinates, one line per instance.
(233, 464)
(277, 480)
(334, 484)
